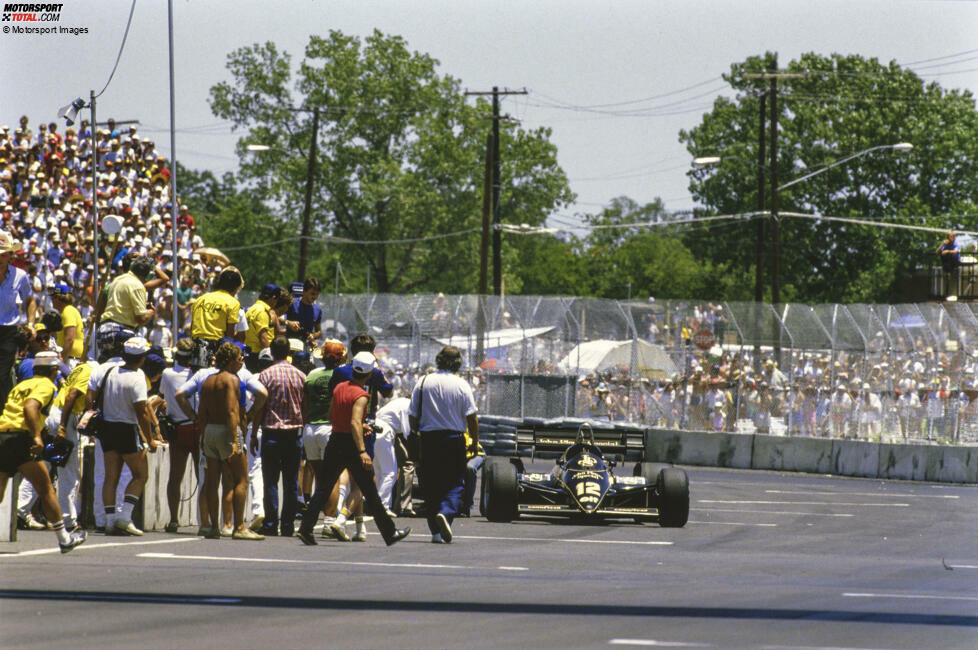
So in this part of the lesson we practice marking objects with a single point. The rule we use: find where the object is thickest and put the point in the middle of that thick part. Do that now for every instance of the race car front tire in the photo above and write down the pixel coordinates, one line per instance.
(673, 488)
(502, 491)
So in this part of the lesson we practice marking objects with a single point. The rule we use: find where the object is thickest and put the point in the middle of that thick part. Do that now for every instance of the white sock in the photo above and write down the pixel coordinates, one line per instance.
(342, 517)
(126, 514)
(360, 526)
(109, 516)
(344, 490)
(63, 535)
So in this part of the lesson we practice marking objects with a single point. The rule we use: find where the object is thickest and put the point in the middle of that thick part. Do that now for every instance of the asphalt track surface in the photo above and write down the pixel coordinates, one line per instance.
(768, 560)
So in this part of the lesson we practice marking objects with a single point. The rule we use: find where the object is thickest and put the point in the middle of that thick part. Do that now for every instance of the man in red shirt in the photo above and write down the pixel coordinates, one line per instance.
(347, 450)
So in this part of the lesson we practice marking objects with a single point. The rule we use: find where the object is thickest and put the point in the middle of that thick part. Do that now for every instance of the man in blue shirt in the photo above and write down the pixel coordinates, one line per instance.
(304, 318)
(14, 284)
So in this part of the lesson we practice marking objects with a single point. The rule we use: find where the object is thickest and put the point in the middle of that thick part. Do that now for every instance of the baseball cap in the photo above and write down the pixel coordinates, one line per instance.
(136, 345)
(364, 362)
(270, 290)
(46, 359)
(59, 289)
(266, 355)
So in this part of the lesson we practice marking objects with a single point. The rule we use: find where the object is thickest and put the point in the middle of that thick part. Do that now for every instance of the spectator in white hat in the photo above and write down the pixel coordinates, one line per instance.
(128, 432)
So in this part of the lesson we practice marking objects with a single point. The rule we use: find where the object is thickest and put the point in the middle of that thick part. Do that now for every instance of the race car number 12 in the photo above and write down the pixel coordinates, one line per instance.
(588, 488)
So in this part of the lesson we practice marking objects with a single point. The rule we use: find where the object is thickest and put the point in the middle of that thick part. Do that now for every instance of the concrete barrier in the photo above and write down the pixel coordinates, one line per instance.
(700, 448)
(813, 455)
(920, 462)
(856, 458)
(8, 510)
(929, 463)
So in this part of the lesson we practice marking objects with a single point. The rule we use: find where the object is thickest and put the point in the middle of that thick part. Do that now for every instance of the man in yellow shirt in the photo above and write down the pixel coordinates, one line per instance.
(71, 338)
(126, 308)
(214, 316)
(261, 319)
(68, 407)
(21, 444)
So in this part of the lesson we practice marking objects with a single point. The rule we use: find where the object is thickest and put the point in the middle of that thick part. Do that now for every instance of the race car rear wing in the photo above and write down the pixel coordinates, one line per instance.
(549, 441)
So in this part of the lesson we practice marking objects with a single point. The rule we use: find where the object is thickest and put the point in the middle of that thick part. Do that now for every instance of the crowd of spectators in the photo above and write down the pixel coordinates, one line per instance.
(47, 199)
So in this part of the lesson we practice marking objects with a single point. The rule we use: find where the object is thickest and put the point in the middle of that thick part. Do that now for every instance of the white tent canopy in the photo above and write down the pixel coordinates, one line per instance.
(495, 338)
(604, 354)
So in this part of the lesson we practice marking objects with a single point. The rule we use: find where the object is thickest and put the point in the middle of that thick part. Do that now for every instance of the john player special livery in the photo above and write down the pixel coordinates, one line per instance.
(582, 484)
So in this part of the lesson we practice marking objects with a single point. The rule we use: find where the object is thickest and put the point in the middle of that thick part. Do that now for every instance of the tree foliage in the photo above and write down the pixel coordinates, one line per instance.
(837, 106)
(400, 157)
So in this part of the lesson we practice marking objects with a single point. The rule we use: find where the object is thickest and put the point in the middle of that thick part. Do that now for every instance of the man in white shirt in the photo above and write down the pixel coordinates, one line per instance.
(127, 433)
(442, 409)
(187, 441)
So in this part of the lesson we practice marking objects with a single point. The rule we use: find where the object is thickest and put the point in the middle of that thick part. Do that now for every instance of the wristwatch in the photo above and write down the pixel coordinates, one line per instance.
(363, 451)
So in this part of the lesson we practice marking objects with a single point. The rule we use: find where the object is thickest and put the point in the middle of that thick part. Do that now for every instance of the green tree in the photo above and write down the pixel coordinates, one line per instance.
(836, 106)
(650, 260)
(400, 156)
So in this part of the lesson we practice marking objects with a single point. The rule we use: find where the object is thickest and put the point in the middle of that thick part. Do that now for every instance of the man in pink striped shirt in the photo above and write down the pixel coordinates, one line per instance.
(281, 441)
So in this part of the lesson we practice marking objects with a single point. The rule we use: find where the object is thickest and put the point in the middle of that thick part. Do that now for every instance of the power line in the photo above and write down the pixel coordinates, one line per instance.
(132, 9)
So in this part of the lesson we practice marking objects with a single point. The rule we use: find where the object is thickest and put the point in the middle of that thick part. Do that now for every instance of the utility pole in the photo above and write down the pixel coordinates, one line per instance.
(493, 153)
(480, 350)
(307, 211)
(759, 246)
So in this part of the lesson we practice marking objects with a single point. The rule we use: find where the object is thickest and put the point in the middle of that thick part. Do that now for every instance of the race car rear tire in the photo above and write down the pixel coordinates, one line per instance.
(673, 488)
(502, 491)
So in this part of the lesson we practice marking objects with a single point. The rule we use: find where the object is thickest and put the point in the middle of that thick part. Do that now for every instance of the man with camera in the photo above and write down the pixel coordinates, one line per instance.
(21, 441)
(126, 308)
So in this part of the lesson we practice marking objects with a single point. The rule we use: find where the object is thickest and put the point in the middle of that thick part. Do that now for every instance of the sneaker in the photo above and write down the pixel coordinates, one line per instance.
(127, 528)
(28, 522)
(398, 536)
(246, 533)
(361, 536)
(256, 523)
(339, 532)
(227, 531)
(446, 531)
(306, 538)
(172, 527)
(203, 531)
(268, 531)
(436, 539)
(390, 513)
(213, 533)
(77, 539)
(327, 532)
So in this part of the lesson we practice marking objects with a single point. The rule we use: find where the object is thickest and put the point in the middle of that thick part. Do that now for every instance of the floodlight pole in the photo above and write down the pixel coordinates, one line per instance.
(173, 182)
(95, 229)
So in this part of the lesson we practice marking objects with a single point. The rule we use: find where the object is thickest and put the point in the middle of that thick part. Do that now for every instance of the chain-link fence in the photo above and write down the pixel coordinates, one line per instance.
(874, 372)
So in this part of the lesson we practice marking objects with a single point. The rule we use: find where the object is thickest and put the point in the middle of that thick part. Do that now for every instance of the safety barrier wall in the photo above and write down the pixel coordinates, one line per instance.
(935, 463)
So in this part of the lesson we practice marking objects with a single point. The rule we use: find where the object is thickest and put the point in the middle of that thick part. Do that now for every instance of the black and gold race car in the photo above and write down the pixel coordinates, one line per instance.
(582, 484)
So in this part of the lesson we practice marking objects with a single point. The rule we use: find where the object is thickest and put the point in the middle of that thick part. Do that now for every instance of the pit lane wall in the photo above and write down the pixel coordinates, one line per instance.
(911, 462)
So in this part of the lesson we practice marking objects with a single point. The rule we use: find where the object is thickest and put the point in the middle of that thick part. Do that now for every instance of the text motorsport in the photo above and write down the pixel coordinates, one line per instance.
(35, 13)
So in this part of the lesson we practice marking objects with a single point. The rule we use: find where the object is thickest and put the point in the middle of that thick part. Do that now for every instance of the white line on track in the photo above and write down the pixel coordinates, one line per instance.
(778, 512)
(262, 560)
(806, 503)
(908, 596)
(92, 547)
(962, 566)
(652, 643)
(731, 523)
(563, 541)
(867, 494)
